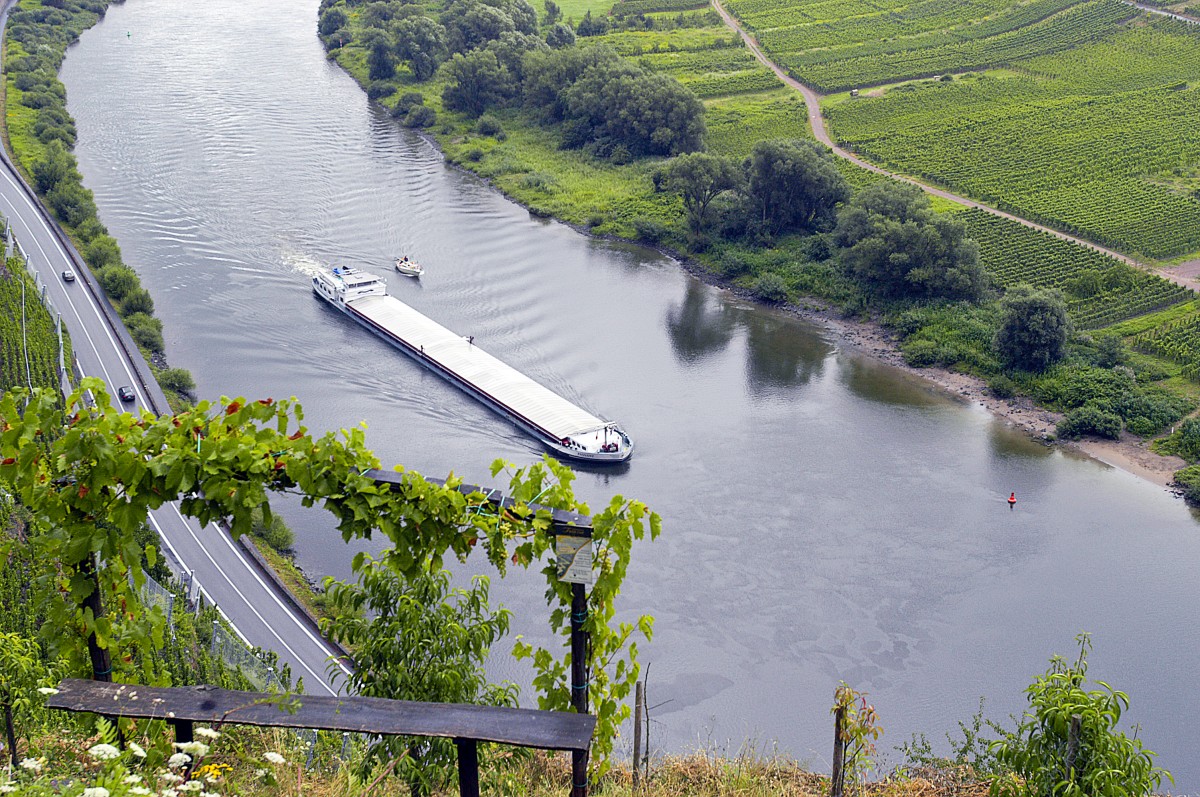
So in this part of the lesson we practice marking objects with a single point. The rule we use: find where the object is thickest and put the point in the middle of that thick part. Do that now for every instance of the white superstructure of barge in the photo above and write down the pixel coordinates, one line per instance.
(560, 425)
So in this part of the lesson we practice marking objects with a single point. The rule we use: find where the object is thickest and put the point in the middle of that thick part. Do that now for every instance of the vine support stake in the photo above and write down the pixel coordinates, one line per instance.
(837, 781)
(639, 706)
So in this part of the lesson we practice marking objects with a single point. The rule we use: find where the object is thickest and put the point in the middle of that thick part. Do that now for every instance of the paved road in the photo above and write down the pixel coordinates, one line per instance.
(224, 572)
(817, 122)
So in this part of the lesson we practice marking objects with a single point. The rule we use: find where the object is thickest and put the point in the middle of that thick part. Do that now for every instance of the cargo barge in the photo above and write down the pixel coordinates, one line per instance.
(561, 426)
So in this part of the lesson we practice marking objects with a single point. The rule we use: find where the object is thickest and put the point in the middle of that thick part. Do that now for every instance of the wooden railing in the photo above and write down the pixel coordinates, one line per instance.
(467, 725)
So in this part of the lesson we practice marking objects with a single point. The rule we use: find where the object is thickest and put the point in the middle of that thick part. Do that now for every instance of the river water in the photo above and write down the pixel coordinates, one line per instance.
(826, 517)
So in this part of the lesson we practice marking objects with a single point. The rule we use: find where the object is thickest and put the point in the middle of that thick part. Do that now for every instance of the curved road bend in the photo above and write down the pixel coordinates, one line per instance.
(817, 122)
(226, 577)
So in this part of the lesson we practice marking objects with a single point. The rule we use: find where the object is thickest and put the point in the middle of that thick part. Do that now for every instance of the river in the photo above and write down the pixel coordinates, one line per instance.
(826, 517)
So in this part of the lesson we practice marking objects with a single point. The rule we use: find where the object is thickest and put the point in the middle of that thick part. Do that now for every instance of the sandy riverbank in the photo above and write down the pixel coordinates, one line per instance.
(1130, 454)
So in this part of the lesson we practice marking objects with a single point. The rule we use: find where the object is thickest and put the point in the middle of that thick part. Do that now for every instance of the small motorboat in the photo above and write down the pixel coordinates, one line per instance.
(409, 268)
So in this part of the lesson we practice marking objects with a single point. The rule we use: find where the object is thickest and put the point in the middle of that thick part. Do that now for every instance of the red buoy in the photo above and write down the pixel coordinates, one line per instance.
(1012, 498)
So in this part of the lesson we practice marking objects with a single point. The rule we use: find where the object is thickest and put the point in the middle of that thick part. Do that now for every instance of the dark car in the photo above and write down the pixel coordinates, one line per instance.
(68, 276)
(125, 393)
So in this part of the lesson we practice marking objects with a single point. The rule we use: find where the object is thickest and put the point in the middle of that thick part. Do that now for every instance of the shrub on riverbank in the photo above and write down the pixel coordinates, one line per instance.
(41, 133)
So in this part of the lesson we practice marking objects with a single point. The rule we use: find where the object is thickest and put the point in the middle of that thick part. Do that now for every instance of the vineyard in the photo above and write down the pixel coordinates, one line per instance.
(1100, 290)
(1085, 23)
(1098, 141)
(1178, 341)
(40, 333)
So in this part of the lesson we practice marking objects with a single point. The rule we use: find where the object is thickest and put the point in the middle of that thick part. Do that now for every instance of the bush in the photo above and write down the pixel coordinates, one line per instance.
(145, 330)
(1089, 420)
(138, 301)
(277, 533)
(101, 252)
(649, 230)
(177, 380)
(921, 353)
(1189, 479)
(1002, 387)
(380, 89)
(489, 125)
(770, 287)
(118, 281)
(420, 116)
(407, 101)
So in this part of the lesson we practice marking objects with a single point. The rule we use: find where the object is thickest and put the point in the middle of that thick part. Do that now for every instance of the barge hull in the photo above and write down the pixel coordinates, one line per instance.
(529, 405)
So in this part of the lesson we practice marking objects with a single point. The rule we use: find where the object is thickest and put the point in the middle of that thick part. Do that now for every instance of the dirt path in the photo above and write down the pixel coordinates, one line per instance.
(817, 122)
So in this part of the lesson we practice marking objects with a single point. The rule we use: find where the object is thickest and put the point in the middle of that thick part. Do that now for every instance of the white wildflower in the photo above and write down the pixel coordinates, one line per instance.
(104, 752)
(170, 777)
(208, 733)
(140, 790)
(179, 760)
(194, 749)
(191, 785)
(132, 779)
(95, 791)
(47, 690)
(169, 793)
(7, 788)
(274, 758)
(32, 764)
(137, 749)
(261, 773)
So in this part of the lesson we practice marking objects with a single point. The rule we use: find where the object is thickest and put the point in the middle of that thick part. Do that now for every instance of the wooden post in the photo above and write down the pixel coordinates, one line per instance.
(468, 767)
(183, 735)
(1072, 748)
(837, 782)
(579, 684)
(639, 703)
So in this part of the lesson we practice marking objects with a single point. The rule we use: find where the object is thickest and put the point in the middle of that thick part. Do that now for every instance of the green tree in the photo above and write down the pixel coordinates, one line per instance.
(699, 178)
(794, 185)
(549, 73)
(476, 82)
(471, 23)
(560, 35)
(894, 244)
(332, 20)
(423, 641)
(553, 13)
(614, 104)
(1034, 328)
(1046, 759)
(381, 61)
(511, 49)
(421, 42)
